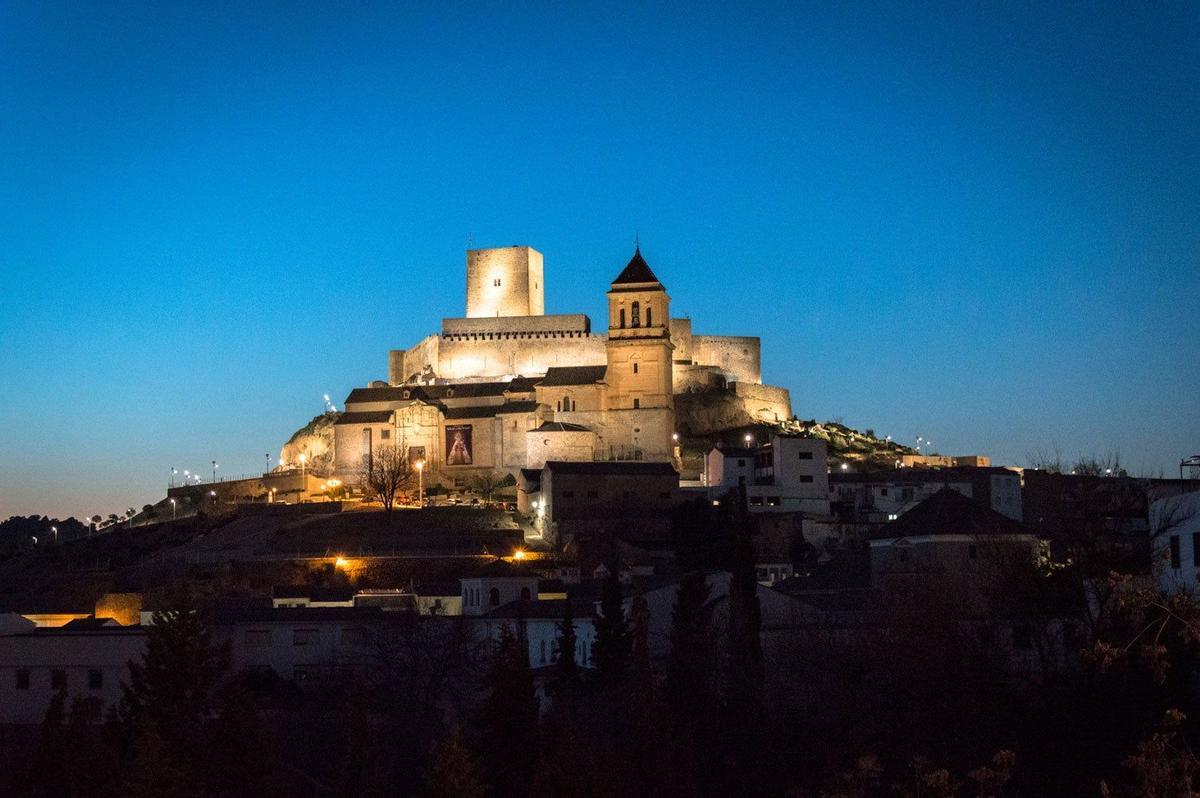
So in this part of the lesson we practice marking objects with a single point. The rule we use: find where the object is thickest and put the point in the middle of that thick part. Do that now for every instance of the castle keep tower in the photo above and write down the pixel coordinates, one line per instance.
(506, 281)
(639, 340)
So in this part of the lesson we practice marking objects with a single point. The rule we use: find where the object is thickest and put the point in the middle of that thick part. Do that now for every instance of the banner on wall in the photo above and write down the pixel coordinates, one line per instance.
(458, 445)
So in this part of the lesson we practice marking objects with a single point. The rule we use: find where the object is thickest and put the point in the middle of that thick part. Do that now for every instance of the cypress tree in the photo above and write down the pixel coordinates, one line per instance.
(568, 669)
(611, 651)
(688, 685)
(510, 715)
(744, 671)
(641, 677)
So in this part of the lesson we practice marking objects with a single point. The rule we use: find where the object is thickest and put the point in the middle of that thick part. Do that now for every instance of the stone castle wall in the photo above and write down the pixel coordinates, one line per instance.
(737, 356)
(764, 402)
(738, 405)
(463, 358)
(405, 364)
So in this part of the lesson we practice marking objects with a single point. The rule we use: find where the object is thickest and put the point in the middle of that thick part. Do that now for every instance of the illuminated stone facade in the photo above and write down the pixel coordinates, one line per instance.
(508, 387)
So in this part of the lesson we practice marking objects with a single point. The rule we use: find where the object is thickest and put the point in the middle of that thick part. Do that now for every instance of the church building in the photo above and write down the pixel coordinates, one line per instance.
(509, 387)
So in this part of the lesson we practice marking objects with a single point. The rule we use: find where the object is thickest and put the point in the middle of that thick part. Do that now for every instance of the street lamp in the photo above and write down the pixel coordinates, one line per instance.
(54, 529)
(214, 463)
(420, 464)
(172, 509)
(749, 438)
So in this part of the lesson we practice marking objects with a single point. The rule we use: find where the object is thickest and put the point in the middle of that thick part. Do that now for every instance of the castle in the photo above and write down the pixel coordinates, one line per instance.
(509, 387)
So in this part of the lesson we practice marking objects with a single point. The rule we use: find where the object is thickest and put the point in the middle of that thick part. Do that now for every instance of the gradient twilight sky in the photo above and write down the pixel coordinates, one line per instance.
(979, 224)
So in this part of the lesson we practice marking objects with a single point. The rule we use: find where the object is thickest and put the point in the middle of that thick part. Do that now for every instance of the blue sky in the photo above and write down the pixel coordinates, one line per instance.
(979, 224)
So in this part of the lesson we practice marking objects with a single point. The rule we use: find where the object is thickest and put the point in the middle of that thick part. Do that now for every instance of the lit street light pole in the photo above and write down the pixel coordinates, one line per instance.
(172, 509)
(420, 483)
(214, 463)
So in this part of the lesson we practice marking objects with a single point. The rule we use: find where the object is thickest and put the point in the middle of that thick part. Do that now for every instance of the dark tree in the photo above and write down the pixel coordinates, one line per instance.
(509, 722)
(744, 669)
(568, 669)
(641, 676)
(611, 650)
(169, 697)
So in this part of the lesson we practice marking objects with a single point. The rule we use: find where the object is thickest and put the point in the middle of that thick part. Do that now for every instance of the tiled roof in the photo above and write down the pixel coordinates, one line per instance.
(527, 406)
(948, 512)
(458, 390)
(560, 426)
(364, 417)
(612, 467)
(636, 271)
(572, 375)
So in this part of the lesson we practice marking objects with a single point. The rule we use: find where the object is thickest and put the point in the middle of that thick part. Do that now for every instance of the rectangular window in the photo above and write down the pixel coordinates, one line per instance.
(1174, 551)
(306, 637)
(95, 679)
(637, 403)
(756, 501)
(58, 680)
(804, 478)
(1196, 549)
(883, 491)
(22, 678)
(384, 434)
(806, 455)
(257, 638)
(635, 368)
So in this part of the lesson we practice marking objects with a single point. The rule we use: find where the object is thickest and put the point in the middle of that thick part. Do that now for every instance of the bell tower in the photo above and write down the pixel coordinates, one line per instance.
(639, 340)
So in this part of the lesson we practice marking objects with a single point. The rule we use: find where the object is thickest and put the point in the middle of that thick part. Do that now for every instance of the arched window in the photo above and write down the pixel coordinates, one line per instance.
(524, 594)
(494, 597)
(648, 322)
(558, 405)
(622, 318)
(636, 314)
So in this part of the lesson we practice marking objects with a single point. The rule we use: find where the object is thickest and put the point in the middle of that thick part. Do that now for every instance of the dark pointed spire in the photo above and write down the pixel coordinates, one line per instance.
(637, 270)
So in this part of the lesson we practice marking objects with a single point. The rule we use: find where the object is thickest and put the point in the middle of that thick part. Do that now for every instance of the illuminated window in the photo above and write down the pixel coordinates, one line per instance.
(95, 679)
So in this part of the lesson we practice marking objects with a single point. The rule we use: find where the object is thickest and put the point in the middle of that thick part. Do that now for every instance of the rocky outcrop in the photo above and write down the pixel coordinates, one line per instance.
(315, 441)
